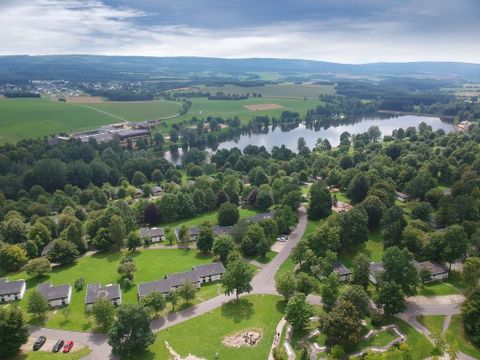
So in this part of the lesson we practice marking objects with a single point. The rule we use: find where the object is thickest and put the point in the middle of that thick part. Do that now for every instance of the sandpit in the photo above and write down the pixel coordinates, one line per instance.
(250, 337)
(176, 356)
(262, 107)
(84, 99)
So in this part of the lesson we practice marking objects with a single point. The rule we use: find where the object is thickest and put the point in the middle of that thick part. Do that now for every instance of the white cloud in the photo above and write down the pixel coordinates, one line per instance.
(90, 26)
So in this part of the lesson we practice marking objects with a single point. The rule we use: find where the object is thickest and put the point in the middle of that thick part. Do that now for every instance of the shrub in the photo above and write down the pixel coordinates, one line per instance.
(79, 284)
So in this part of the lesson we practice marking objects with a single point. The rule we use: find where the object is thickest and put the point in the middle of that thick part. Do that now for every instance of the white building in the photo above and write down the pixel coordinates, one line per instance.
(11, 290)
(109, 292)
(56, 295)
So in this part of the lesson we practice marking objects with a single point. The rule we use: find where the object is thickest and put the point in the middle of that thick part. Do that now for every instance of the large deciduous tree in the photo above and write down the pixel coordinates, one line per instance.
(13, 331)
(320, 204)
(206, 237)
(237, 278)
(298, 311)
(342, 325)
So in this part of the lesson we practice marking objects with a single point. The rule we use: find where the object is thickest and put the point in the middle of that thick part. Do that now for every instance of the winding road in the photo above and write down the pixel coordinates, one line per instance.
(262, 283)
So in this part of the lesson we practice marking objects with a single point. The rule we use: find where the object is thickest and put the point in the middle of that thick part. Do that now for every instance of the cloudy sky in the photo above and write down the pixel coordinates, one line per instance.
(345, 31)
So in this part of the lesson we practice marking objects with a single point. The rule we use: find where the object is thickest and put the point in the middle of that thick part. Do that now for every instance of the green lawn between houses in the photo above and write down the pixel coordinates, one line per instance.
(202, 336)
(151, 265)
(434, 323)
(45, 355)
(455, 336)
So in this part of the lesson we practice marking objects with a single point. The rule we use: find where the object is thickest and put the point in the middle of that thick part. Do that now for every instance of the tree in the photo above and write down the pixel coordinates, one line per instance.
(74, 234)
(342, 325)
(102, 241)
(206, 237)
(471, 272)
(305, 283)
(422, 211)
(358, 188)
(40, 233)
(104, 313)
(237, 278)
(151, 214)
(286, 285)
(254, 241)
(298, 312)
(155, 301)
(13, 331)
(374, 208)
(187, 291)
(227, 214)
(358, 297)
(79, 284)
(37, 304)
(133, 241)
(264, 199)
(400, 270)
(172, 297)
(425, 275)
(223, 245)
(118, 231)
(139, 179)
(392, 224)
(471, 315)
(361, 270)
(330, 290)
(374, 133)
(12, 257)
(420, 185)
(14, 230)
(320, 204)
(354, 227)
(130, 332)
(38, 267)
(391, 298)
(127, 267)
(62, 252)
(455, 243)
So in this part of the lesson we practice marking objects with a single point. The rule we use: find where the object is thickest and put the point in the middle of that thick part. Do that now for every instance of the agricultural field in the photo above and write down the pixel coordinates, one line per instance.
(261, 313)
(102, 268)
(284, 90)
(33, 118)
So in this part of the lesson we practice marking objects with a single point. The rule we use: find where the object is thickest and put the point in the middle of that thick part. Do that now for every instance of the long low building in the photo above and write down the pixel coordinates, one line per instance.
(56, 295)
(199, 275)
(109, 292)
(11, 290)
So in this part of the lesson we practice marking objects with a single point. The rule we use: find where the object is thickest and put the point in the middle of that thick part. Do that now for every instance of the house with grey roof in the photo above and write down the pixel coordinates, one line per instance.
(403, 197)
(344, 274)
(220, 230)
(56, 295)
(109, 292)
(375, 272)
(152, 234)
(156, 190)
(260, 217)
(199, 275)
(11, 290)
(193, 233)
(438, 272)
(138, 193)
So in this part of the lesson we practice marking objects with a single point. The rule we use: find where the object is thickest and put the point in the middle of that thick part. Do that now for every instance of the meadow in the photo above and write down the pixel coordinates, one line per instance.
(33, 118)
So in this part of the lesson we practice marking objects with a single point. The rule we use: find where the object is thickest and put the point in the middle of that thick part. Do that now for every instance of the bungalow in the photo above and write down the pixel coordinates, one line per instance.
(220, 230)
(156, 190)
(260, 217)
(403, 197)
(438, 272)
(209, 272)
(11, 290)
(128, 134)
(199, 275)
(55, 295)
(152, 234)
(344, 274)
(138, 193)
(109, 292)
(193, 233)
(375, 272)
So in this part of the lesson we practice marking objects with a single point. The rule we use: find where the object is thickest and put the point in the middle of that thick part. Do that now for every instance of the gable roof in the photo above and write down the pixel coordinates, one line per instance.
(51, 292)
(150, 232)
(223, 230)
(215, 268)
(260, 217)
(376, 268)
(434, 267)
(96, 291)
(11, 287)
(156, 189)
(179, 278)
(161, 286)
(194, 230)
(341, 269)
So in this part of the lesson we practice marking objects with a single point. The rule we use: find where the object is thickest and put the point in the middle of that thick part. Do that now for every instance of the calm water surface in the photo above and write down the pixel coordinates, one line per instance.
(277, 137)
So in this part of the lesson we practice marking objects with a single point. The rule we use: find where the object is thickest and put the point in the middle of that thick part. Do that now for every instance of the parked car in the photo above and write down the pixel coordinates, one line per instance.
(282, 239)
(68, 346)
(58, 345)
(39, 343)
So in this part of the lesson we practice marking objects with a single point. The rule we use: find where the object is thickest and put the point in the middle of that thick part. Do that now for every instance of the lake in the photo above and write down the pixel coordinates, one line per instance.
(277, 137)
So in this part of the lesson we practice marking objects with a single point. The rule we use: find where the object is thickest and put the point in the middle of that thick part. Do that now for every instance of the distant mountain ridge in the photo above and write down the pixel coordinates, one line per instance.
(84, 67)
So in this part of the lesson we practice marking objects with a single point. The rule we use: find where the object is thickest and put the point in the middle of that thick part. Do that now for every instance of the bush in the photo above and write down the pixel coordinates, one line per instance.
(377, 317)
(127, 283)
(337, 352)
(79, 284)
(279, 353)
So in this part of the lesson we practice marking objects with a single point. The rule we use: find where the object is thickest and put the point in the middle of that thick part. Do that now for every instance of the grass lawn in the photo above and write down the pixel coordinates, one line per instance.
(456, 337)
(380, 339)
(151, 265)
(139, 110)
(374, 247)
(419, 344)
(202, 336)
(434, 323)
(45, 355)
(265, 260)
(437, 288)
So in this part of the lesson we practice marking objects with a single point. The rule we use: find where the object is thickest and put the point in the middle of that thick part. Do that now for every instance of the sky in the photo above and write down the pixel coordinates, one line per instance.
(343, 31)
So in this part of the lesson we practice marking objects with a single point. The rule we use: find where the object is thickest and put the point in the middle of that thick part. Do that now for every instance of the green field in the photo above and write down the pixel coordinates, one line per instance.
(285, 90)
(202, 108)
(456, 337)
(202, 336)
(151, 265)
(44, 355)
(33, 118)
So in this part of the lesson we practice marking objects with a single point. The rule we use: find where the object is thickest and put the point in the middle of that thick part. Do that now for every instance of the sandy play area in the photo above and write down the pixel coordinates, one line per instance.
(250, 337)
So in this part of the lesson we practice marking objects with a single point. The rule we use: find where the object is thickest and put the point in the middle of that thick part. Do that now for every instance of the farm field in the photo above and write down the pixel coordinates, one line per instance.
(33, 118)
(284, 90)
(261, 312)
(151, 265)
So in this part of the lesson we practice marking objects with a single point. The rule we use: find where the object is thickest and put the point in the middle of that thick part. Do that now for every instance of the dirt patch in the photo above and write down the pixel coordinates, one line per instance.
(262, 107)
(250, 337)
(84, 99)
(177, 356)
(341, 207)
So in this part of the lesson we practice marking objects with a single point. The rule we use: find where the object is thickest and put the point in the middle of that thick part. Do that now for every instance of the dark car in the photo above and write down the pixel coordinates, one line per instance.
(39, 343)
(58, 346)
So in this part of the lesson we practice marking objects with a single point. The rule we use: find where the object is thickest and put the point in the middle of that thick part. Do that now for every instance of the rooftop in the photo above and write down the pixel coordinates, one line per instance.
(51, 292)
(376, 268)
(260, 217)
(215, 268)
(11, 287)
(223, 230)
(341, 269)
(434, 267)
(96, 291)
